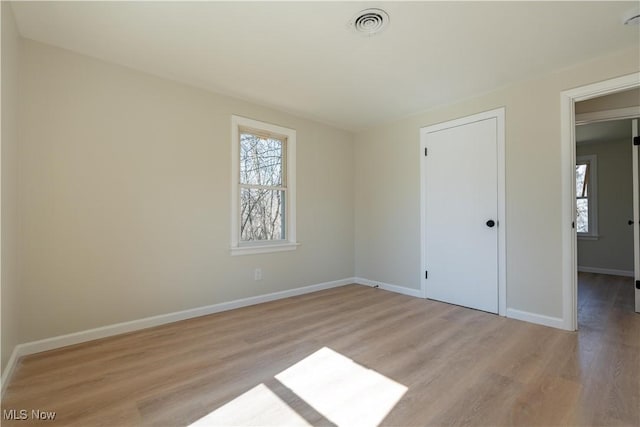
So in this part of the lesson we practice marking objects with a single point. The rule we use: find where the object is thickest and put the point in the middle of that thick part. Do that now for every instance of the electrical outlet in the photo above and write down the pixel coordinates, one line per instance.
(257, 274)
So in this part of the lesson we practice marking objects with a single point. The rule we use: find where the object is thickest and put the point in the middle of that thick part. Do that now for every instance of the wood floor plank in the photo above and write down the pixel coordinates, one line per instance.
(456, 366)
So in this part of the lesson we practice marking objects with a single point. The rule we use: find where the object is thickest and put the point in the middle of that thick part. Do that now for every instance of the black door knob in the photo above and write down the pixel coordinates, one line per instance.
(491, 223)
(630, 222)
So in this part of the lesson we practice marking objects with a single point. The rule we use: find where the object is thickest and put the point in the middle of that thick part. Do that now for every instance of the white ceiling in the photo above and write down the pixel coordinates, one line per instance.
(302, 58)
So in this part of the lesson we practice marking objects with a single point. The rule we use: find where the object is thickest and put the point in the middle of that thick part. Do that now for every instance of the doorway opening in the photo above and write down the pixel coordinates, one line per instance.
(604, 211)
(582, 218)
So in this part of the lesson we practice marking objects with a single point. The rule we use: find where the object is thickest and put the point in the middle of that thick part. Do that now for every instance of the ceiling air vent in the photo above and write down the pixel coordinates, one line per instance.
(632, 17)
(369, 21)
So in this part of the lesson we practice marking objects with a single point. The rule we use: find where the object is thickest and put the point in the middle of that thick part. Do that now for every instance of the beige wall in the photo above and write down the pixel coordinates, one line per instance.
(614, 248)
(125, 182)
(10, 226)
(125, 187)
(387, 186)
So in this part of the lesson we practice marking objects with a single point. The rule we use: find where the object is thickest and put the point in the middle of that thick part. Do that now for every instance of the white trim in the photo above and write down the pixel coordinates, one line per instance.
(423, 215)
(592, 196)
(502, 212)
(499, 115)
(388, 287)
(262, 249)
(604, 116)
(8, 370)
(569, 235)
(568, 99)
(290, 202)
(636, 207)
(636, 212)
(149, 322)
(540, 319)
(588, 236)
(609, 271)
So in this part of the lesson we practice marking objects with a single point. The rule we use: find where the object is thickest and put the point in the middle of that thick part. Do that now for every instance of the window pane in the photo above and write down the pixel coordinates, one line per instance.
(261, 214)
(260, 160)
(583, 215)
(581, 174)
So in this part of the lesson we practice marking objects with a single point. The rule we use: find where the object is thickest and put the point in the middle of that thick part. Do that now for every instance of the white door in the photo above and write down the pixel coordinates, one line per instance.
(461, 214)
(636, 212)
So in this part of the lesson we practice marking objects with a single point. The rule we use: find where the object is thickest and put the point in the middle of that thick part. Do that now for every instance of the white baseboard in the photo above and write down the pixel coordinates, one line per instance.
(8, 370)
(149, 322)
(540, 319)
(609, 271)
(387, 287)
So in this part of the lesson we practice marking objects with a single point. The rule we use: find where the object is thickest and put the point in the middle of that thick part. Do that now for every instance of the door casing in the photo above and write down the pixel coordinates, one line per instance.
(636, 213)
(499, 115)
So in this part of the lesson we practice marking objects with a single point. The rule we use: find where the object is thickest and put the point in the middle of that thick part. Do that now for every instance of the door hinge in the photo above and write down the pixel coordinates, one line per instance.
(426, 274)
(425, 151)
(636, 140)
(637, 284)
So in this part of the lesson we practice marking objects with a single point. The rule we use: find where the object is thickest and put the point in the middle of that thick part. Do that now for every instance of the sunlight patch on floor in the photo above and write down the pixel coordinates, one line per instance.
(257, 407)
(343, 391)
(332, 385)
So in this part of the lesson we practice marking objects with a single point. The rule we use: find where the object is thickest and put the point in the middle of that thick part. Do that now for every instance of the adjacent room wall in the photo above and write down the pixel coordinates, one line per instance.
(125, 182)
(10, 219)
(614, 248)
(388, 186)
(627, 98)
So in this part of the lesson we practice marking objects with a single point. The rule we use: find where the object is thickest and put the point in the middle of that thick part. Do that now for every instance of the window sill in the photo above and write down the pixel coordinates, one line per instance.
(588, 237)
(263, 249)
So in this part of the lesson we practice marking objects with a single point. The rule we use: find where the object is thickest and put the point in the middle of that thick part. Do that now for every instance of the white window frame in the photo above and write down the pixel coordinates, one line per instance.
(592, 196)
(247, 248)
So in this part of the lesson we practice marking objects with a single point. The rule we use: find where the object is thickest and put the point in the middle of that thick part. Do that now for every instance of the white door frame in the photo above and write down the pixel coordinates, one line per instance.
(568, 99)
(636, 216)
(499, 115)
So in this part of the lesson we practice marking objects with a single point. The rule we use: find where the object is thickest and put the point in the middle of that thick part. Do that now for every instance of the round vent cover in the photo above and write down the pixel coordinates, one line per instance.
(632, 17)
(369, 21)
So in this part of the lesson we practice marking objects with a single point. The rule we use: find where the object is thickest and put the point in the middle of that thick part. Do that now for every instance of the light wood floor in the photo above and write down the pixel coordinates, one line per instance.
(460, 366)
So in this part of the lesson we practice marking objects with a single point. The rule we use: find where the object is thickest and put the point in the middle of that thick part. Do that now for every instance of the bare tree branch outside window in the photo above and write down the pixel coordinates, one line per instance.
(262, 187)
(582, 197)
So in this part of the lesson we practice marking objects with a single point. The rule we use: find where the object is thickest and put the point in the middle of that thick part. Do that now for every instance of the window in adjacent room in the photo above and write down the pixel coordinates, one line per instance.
(586, 197)
(263, 193)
